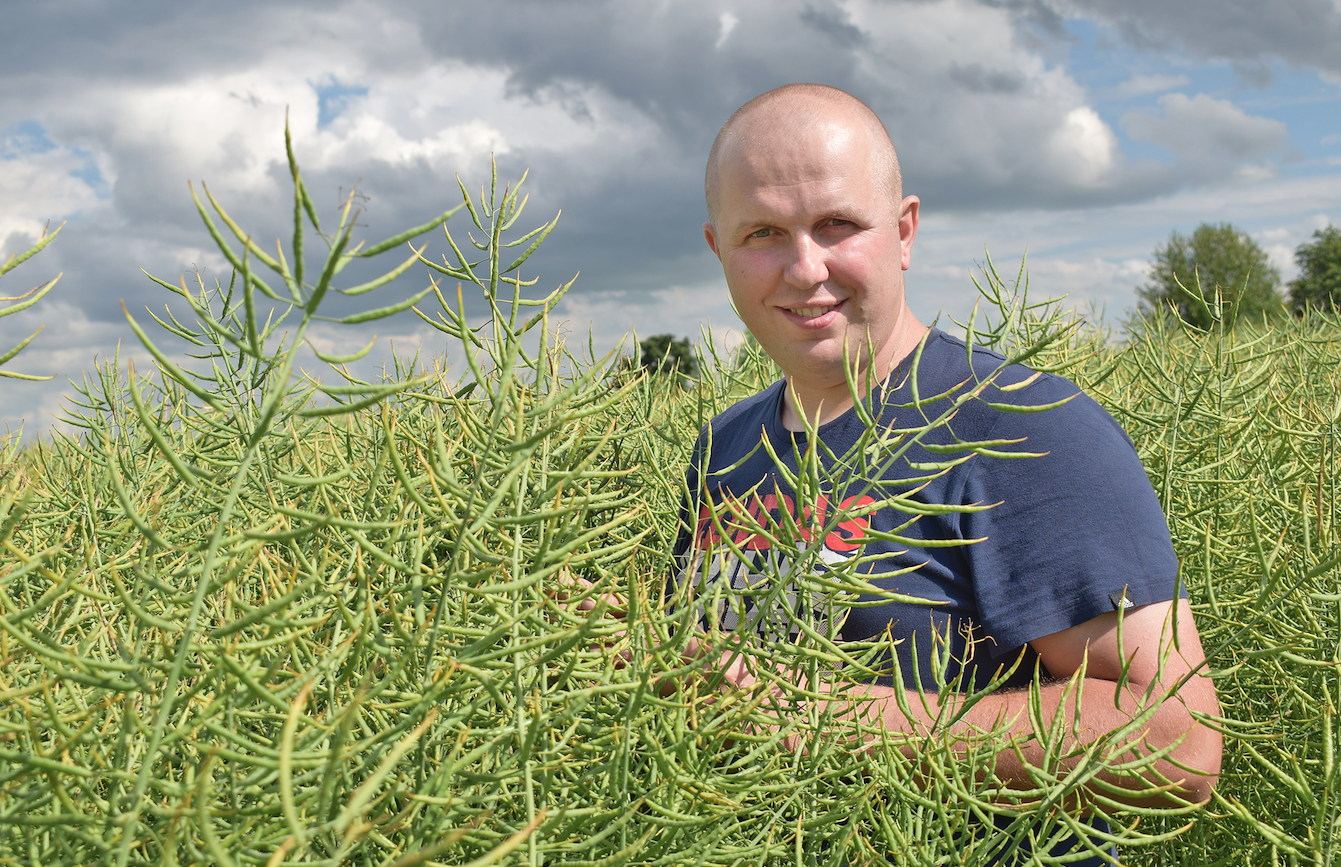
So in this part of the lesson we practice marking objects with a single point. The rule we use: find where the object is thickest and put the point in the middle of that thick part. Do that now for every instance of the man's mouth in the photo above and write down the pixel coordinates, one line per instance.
(812, 312)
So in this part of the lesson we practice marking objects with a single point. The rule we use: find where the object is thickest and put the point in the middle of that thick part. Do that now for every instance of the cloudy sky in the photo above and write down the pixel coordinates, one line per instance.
(1080, 131)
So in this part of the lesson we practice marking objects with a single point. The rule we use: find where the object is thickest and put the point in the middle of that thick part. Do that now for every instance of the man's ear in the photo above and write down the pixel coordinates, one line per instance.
(908, 219)
(710, 235)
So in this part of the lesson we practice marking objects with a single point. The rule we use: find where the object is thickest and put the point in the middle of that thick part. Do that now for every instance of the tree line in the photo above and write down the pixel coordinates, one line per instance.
(1233, 275)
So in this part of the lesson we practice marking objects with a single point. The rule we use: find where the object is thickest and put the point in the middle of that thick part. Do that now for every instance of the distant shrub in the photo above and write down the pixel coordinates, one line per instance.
(1318, 285)
(1216, 273)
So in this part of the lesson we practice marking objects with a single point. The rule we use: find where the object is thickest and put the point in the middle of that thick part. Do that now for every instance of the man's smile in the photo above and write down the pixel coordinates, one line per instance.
(812, 312)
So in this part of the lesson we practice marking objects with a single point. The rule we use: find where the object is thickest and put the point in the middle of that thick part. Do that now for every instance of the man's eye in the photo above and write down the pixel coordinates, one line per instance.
(838, 221)
(761, 233)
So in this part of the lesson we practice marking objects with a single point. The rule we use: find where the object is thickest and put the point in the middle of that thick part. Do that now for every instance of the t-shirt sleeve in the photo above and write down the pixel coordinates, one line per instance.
(1075, 533)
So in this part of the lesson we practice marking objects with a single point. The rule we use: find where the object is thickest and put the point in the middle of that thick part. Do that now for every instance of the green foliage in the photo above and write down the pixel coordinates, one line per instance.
(1215, 274)
(1318, 285)
(663, 353)
(26, 300)
(248, 619)
(1241, 436)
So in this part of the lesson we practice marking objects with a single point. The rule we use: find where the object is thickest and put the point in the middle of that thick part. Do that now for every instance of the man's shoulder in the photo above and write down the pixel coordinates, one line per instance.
(1005, 407)
(730, 428)
(749, 412)
(948, 363)
(951, 367)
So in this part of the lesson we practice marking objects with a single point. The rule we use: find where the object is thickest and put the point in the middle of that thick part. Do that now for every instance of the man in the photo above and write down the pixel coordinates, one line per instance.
(1035, 559)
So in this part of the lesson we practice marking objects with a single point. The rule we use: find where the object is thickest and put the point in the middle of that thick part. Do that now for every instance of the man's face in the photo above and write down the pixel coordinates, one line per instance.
(813, 250)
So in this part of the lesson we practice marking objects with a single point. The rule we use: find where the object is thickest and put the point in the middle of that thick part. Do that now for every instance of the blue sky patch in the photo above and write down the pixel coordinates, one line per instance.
(333, 98)
(25, 138)
(29, 138)
(1113, 72)
(90, 174)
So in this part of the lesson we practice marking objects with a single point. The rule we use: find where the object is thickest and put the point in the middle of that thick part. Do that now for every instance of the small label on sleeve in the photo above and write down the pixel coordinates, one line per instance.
(1120, 600)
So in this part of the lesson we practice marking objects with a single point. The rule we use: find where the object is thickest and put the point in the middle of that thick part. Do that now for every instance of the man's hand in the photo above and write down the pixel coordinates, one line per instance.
(738, 671)
(581, 592)
(581, 596)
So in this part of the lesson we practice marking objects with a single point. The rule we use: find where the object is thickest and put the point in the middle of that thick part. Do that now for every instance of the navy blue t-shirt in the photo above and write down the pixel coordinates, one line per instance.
(1029, 546)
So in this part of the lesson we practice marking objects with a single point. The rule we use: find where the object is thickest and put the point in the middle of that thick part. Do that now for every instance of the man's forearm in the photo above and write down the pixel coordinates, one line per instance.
(1165, 723)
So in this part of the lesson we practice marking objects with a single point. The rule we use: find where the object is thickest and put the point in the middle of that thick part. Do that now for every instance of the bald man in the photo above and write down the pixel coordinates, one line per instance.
(808, 218)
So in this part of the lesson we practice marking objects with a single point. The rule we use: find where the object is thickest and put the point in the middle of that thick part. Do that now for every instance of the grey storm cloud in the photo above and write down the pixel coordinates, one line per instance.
(662, 62)
(1305, 33)
(52, 43)
(669, 66)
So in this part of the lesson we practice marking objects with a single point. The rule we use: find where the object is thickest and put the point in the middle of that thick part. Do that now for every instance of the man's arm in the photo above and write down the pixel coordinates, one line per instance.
(1108, 701)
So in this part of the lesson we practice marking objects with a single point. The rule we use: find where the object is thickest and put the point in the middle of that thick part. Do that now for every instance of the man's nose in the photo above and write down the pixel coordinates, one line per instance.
(807, 267)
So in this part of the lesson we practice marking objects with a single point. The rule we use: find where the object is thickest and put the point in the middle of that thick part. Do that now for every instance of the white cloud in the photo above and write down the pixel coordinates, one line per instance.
(680, 310)
(966, 100)
(1098, 256)
(66, 349)
(728, 22)
(1140, 85)
(228, 128)
(38, 188)
(451, 106)
(1084, 148)
(1281, 241)
(1202, 128)
(1279, 248)
(365, 137)
(1253, 172)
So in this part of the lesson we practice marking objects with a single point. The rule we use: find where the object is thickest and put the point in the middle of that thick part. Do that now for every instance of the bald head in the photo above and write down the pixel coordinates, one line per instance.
(790, 111)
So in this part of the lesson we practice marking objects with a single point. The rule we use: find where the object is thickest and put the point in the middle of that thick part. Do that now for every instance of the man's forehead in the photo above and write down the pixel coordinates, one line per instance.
(786, 149)
(815, 123)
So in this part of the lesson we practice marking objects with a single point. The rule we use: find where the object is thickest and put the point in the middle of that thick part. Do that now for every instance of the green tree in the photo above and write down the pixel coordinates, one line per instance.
(1319, 282)
(1218, 260)
(663, 353)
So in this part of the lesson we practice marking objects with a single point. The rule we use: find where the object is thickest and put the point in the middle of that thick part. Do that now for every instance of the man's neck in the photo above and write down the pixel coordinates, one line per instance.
(824, 405)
